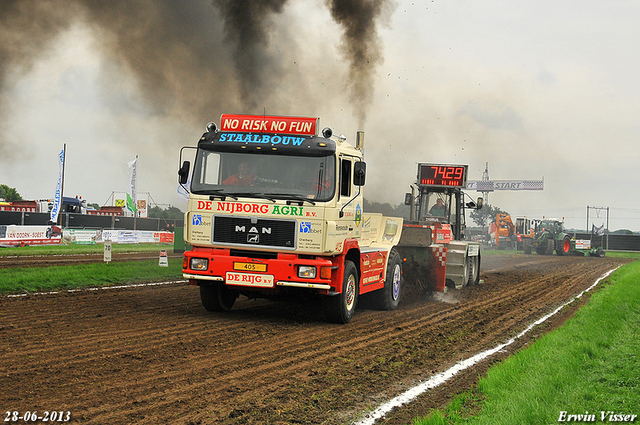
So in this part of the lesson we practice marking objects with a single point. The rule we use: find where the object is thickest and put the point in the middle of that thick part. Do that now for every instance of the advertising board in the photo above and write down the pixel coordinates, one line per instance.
(13, 235)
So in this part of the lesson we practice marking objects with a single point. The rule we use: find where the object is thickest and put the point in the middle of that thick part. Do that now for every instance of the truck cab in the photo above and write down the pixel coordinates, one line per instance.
(275, 209)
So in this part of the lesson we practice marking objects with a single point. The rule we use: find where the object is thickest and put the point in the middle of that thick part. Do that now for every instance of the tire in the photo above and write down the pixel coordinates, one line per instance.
(564, 246)
(388, 297)
(217, 297)
(473, 267)
(527, 246)
(341, 308)
(551, 246)
(541, 249)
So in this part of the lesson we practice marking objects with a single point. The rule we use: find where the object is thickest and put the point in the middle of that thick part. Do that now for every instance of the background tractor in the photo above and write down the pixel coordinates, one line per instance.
(549, 236)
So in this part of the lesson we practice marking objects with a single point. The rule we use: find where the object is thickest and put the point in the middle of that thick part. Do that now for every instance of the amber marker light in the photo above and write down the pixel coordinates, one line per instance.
(325, 272)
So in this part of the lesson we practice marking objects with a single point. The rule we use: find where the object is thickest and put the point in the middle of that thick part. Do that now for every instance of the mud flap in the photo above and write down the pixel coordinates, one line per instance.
(439, 266)
(425, 267)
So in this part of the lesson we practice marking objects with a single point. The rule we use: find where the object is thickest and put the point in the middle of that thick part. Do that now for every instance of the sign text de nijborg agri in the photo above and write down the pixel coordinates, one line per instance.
(255, 208)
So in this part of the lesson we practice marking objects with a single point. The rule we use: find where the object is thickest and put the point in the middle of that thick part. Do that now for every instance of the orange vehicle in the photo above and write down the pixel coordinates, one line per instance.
(505, 232)
(508, 235)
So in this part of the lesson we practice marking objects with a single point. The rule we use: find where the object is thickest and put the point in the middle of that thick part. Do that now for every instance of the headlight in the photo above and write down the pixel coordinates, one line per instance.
(307, 272)
(200, 264)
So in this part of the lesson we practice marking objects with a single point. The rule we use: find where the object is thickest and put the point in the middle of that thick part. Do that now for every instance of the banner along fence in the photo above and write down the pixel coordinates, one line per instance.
(612, 242)
(85, 221)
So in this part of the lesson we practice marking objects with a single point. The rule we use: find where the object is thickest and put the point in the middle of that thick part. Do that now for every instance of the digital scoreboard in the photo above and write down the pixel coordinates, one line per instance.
(442, 175)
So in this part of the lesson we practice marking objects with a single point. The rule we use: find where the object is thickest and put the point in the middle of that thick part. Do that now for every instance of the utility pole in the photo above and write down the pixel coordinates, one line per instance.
(598, 209)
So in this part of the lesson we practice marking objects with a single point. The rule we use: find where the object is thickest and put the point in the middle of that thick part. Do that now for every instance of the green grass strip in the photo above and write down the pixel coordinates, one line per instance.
(587, 367)
(67, 249)
(19, 280)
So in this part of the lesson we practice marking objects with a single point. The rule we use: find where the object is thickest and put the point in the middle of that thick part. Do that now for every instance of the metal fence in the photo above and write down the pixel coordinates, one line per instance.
(612, 242)
(85, 221)
(607, 242)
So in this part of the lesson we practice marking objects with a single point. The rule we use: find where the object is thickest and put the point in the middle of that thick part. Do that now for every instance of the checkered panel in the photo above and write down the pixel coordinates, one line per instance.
(440, 254)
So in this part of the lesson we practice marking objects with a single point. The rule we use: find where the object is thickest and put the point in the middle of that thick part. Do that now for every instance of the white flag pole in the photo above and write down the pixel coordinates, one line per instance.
(58, 199)
(132, 198)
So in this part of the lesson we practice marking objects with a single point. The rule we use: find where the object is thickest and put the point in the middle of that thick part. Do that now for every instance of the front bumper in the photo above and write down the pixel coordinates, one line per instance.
(264, 274)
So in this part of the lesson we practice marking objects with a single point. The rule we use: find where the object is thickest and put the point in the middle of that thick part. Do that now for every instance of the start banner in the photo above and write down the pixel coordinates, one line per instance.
(30, 235)
(491, 185)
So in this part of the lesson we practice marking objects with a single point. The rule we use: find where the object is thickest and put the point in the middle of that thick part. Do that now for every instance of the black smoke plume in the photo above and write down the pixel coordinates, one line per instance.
(192, 59)
(247, 30)
(362, 46)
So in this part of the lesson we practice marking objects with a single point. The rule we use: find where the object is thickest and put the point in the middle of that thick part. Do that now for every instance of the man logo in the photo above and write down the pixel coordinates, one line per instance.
(197, 220)
(253, 238)
(305, 227)
(253, 229)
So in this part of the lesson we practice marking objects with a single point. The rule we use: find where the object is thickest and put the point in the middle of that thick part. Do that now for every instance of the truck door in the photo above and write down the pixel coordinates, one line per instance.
(348, 203)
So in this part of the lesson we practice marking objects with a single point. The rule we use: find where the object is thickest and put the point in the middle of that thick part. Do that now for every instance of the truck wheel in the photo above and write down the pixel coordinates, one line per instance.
(217, 297)
(388, 297)
(551, 246)
(341, 308)
(564, 246)
(527, 246)
(473, 267)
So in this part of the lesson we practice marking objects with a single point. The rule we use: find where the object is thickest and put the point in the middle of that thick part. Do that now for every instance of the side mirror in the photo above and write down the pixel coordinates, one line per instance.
(407, 199)
(359, 173)
(479, 203)
(183, 172)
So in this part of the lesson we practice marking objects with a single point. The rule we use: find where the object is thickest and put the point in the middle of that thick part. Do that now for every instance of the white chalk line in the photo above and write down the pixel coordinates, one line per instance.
(96, 288)
(443, 377)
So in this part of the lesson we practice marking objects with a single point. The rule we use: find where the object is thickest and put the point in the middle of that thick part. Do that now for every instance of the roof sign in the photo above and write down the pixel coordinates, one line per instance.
(269, 124)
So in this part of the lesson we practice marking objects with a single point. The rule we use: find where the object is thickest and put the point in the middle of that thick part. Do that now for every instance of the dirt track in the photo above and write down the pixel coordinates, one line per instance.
(11, 261)
(153, 355)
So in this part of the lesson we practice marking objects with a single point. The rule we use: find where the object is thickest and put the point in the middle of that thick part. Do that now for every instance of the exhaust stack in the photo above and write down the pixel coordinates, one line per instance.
(360, 140)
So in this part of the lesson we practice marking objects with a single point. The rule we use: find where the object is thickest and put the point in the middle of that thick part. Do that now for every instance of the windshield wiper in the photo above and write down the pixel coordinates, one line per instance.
(215, 194)
(255, 195)
(291, 198)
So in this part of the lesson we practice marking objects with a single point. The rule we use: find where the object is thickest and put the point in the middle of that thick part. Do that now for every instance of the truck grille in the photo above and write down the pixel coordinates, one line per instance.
(259, 233)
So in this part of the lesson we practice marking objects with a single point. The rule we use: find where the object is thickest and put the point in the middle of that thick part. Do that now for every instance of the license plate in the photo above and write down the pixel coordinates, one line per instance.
(249, 279)
(250, 267)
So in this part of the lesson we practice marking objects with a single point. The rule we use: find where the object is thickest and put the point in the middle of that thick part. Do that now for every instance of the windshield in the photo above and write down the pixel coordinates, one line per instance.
(268, 176)
(435, 205)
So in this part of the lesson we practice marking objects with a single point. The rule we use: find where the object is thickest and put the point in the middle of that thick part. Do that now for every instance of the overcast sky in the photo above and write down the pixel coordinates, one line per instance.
(537, 90)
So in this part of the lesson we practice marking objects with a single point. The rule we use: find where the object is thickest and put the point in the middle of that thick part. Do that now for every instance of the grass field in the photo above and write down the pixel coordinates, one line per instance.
(585, 372)
(81, 249)
(20, 280)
